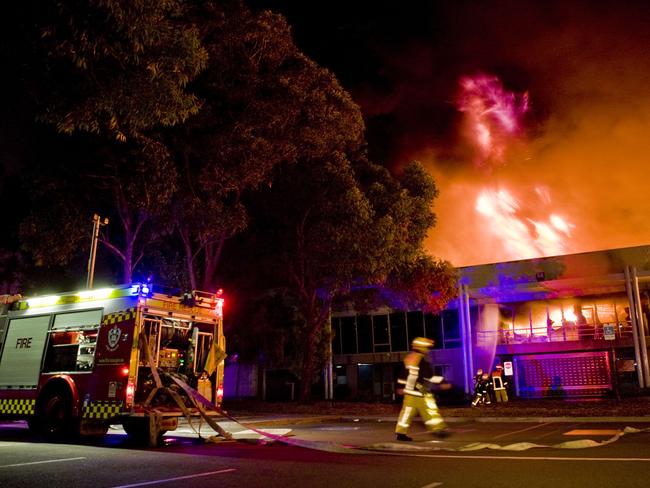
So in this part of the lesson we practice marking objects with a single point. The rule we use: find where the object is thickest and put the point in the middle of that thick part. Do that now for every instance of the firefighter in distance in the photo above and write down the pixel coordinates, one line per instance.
(482, 386)
(418, 398)
(499, 385)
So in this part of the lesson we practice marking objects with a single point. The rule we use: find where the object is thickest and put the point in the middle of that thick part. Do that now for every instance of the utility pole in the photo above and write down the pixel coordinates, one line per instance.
(328, 373)
(97, 223)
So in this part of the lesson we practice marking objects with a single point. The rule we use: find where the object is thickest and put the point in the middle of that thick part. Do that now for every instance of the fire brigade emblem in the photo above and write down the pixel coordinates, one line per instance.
(114, 338)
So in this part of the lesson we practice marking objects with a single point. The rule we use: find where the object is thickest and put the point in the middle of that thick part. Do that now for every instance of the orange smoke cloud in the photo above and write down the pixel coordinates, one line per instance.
(588, 168)
(582, 173)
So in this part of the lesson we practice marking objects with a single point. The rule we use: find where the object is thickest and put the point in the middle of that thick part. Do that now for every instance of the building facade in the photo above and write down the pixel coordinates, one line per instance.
(574, 325)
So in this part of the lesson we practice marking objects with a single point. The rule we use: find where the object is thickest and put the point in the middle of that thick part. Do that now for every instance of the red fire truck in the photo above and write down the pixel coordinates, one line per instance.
(76, 363)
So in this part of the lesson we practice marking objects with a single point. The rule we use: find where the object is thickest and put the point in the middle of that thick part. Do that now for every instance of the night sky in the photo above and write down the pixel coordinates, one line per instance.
(580, 154)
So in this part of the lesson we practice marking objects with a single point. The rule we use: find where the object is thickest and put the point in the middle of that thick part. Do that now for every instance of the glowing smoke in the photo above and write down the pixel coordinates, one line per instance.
(492, 116)
(520, 220)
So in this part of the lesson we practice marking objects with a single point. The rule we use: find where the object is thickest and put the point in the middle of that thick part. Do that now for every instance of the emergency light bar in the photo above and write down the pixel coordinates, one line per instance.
(85, 296)
(143, 291)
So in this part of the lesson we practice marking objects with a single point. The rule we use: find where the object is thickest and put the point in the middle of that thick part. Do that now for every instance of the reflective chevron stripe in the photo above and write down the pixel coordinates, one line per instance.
(17, 406)
(102, 410)
(114, 318)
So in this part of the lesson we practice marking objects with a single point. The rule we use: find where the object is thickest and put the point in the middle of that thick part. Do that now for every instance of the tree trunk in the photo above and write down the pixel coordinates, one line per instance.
(189, 257)
(309, 365)
(212, 255)
(128, 260)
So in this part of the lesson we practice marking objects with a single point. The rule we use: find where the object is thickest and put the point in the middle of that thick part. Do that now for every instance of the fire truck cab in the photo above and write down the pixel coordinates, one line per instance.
(76, 363)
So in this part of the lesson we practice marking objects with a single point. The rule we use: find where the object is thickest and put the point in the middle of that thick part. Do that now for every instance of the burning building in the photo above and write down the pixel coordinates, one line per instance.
(568, 325)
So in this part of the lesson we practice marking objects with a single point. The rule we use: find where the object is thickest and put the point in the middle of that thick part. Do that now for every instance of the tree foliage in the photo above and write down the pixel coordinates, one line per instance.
(264, 103)
(331, 225)
(131, 184)
(206, 121)
(117, 67)
(137, 183)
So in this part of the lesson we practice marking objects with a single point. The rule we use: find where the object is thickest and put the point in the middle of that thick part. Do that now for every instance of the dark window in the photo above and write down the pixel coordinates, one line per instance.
(398, 332)
(364, 385)
(451, 324)
(380, 327)
(348, 335)
(70, 351)
(364, 333)
(336, 336)
(415, 324)
(442, 370)
(433, 330)
(473, 314)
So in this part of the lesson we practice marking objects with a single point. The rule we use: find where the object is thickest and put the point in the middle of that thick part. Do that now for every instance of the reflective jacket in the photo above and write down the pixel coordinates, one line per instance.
(418, 376)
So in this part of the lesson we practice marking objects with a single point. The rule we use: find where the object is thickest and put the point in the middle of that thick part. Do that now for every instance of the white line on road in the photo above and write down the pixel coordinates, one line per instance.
(43, 462)
(520, 430)
(433, 485)
(197, 475)
(525, 458)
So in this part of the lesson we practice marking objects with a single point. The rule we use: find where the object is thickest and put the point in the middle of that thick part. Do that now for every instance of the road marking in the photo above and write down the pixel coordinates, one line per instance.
(553, 431)
(189, 476)
(522, 458)
(9, 444)
(433, 485)
(520, 430)
(593, 432)
(43, 462)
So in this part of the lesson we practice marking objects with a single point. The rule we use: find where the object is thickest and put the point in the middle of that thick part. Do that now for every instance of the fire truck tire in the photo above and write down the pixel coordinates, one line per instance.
(55, 416)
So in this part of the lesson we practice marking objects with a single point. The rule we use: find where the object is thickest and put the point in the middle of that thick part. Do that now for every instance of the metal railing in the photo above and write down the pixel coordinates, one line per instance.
(565, 333)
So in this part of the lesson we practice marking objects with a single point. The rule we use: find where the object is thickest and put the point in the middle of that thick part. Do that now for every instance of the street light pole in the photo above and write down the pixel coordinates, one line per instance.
(97, 223)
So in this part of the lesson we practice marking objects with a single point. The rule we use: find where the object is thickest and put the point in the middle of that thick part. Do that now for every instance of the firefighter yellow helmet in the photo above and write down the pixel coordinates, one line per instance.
(422, 344)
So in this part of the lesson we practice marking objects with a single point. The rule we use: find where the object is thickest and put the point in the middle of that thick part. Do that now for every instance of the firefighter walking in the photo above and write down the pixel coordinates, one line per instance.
(482, 387)
(418, 398)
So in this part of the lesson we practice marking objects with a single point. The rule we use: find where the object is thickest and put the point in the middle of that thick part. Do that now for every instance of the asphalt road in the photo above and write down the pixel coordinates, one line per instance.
(343, 454)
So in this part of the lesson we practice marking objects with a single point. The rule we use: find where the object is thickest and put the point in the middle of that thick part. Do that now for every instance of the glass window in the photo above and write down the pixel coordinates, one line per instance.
(433, 330)
(70, 351)
(474, 314)
(336, 336)
(87, 318)
(398, 332)
(451, 325)
(364, 333)
(442, 370)
(415, 325)
(380, 328)
(348, 335)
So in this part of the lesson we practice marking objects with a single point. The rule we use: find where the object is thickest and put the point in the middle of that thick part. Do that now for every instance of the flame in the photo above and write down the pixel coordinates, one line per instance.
(493, 119)
(522, 235)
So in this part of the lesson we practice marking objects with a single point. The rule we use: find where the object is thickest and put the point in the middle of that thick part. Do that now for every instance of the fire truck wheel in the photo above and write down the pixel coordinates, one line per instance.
(55, 416)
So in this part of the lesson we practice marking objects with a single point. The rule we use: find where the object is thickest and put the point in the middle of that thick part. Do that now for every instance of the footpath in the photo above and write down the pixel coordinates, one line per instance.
(260, 413)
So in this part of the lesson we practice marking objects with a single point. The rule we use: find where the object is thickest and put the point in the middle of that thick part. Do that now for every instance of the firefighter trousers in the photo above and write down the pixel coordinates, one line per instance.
(426, 407)
(501, 395)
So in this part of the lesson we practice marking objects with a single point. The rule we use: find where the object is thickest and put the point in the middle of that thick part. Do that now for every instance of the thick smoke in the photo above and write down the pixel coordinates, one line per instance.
(586, 150)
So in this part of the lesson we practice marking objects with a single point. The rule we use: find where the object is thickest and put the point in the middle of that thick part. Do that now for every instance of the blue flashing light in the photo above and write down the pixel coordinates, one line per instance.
(141, 289)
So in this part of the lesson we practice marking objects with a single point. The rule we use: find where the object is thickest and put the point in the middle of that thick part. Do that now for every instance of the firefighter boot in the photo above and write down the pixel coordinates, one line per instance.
(403, 437)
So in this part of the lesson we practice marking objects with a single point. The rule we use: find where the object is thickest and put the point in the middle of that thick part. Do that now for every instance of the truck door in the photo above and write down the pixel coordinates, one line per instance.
(20, 365)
